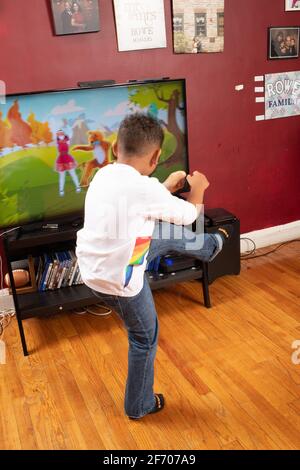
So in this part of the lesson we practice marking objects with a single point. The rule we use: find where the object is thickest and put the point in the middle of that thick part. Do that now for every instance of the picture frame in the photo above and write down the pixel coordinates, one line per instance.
(140, 24)
(283, 42)
(292, 5)
(75, 16)
(198, 26)
(282, 95)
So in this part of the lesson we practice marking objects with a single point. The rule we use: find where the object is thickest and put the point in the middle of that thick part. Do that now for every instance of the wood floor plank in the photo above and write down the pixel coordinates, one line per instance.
(235, 445)
(226, 372)
(77, 408)
(249, 433)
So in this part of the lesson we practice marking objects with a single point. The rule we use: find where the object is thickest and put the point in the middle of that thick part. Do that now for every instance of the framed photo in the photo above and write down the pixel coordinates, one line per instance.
(140, 24)
(292, 5)
(75, 16)
(283, 42)
(198, 26)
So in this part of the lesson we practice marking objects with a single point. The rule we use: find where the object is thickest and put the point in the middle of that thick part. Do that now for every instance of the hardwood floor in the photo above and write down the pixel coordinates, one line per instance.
(227, 373)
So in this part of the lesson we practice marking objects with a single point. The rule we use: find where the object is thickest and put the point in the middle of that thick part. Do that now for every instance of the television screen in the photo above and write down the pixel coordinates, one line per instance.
(52, 143)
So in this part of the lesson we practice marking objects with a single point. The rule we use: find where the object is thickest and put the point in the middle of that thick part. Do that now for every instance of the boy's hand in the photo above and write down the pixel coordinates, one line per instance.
(175, 181)
(198, 182)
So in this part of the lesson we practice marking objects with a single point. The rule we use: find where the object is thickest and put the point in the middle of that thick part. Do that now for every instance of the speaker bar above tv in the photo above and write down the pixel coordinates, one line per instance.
(148, 80)
(96, 83)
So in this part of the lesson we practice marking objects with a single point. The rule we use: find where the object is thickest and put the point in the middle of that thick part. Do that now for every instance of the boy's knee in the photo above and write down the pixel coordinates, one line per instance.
(145, 342)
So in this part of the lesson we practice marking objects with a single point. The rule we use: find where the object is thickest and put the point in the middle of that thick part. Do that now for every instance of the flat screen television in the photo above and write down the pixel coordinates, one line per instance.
(52, 143)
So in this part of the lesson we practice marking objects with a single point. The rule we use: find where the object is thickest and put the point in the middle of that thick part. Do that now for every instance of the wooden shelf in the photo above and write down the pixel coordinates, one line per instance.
(51, 302)
(61, 300)
(37, 243)
(158, 281)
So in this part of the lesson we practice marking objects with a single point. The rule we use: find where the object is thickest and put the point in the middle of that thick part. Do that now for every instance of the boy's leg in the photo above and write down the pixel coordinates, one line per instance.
(139, 316)
(167, 237)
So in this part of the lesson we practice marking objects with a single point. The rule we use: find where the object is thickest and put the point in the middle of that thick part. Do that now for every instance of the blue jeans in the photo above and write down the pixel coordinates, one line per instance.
(167, 237)
(140, 319)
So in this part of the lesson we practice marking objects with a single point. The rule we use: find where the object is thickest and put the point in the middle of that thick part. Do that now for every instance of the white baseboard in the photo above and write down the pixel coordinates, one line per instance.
(271, 236)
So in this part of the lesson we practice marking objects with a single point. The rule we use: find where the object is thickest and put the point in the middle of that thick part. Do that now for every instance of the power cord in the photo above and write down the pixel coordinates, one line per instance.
(249, 255)
(105, 310)
(10, 230)
(251, 252)
(81, 311)
(5, 319)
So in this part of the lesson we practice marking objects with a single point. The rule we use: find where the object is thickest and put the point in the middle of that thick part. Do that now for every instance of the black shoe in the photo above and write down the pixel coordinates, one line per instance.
(159, 404)
(226, 232)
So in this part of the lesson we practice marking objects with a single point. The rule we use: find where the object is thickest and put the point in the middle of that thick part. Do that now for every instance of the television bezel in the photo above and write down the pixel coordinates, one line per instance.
(65, 219)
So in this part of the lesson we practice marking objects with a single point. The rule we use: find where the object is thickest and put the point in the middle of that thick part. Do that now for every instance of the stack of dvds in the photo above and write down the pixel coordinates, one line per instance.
(56, 270)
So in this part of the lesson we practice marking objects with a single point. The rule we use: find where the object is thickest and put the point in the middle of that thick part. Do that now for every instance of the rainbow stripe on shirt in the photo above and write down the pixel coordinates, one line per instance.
(140, 250)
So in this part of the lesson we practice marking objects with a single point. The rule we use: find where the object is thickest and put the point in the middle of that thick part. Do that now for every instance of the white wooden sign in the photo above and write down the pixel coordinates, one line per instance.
(140, 24)
(282, 95)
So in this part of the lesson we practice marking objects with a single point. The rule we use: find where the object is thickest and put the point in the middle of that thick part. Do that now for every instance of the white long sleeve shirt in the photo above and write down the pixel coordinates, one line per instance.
(120, 211)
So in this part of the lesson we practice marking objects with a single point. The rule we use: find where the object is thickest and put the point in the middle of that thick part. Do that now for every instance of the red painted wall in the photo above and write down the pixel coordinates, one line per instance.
(253, 167)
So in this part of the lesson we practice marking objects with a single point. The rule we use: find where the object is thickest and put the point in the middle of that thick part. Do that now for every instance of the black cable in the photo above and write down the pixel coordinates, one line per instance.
(8, 231)
(251, 252)
(271, 251)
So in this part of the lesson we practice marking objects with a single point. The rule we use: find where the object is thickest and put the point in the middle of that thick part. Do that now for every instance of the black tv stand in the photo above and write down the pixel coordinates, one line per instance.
(41, 304)
(44, 303)
(26, 229)
(51, 302)
(45, 227)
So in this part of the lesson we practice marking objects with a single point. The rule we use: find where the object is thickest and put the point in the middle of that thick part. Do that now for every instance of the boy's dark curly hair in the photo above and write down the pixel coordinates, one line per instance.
(139, 133)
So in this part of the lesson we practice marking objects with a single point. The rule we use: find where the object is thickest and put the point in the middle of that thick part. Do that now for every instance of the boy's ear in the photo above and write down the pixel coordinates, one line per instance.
(115, 148)
(155, 157)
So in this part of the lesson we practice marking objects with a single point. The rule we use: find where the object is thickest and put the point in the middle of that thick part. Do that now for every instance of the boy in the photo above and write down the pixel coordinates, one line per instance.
(121, 207)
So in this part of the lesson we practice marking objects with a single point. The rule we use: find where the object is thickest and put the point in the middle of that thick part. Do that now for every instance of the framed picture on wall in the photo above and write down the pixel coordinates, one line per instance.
(140, 24)
(198, 26)
(282, 95)
(283, 42)
(75, 16)
(292, 5)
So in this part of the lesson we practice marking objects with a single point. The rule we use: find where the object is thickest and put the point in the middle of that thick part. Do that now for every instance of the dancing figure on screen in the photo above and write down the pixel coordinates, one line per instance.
(65, 163)
(100, 155)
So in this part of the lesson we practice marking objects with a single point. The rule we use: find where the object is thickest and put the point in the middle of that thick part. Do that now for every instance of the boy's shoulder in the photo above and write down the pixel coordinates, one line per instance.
(154, 182)
(125, 175)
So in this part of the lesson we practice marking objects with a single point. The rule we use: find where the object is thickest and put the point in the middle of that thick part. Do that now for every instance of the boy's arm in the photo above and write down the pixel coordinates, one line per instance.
(198, 183)
(175, 181)
(161, 204)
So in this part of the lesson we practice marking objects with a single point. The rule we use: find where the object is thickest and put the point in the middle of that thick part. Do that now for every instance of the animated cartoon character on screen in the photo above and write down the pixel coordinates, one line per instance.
(65, 162)
(100, 149)
(141, 249)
